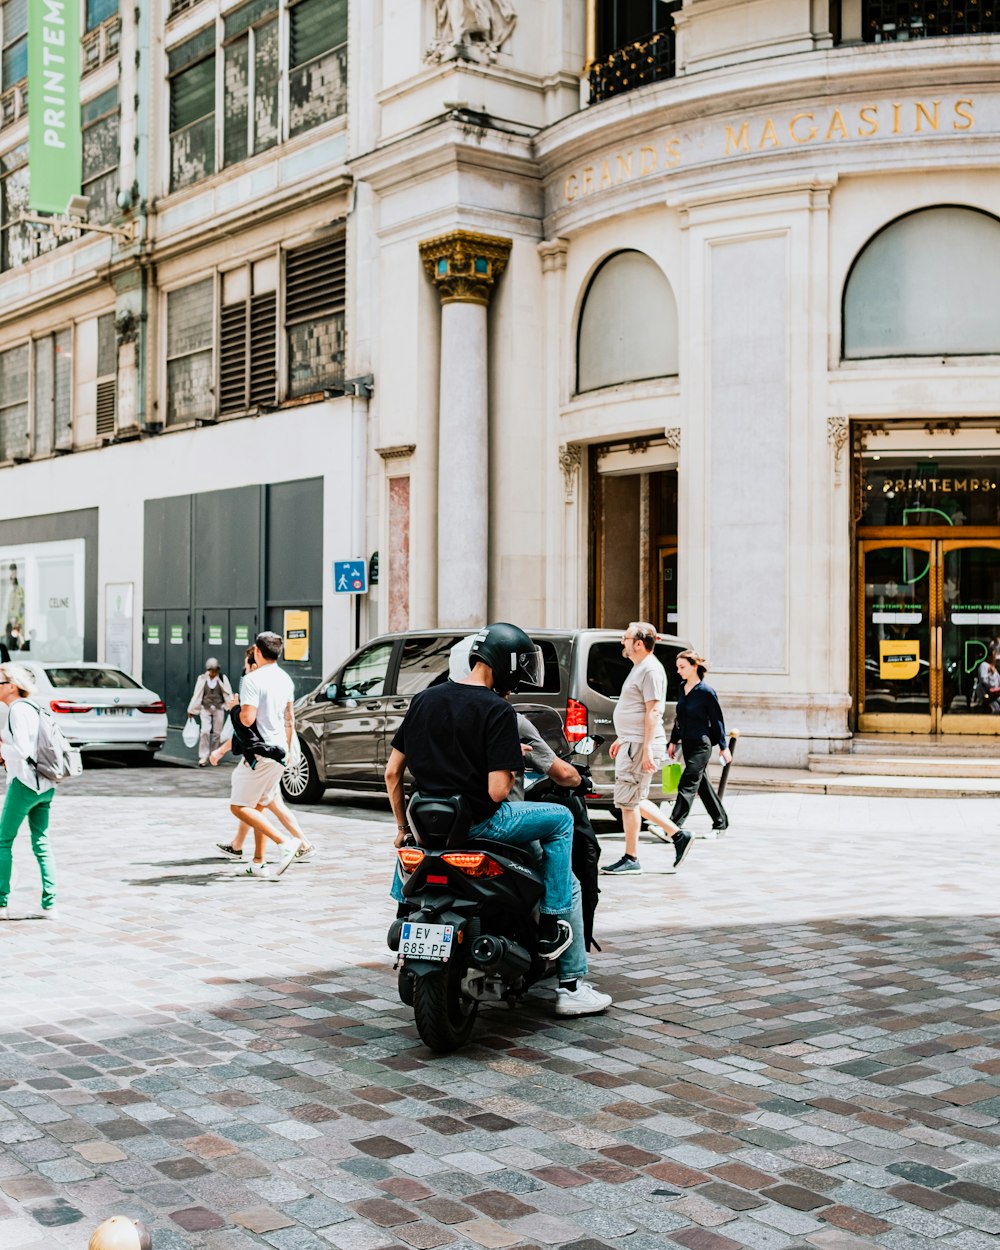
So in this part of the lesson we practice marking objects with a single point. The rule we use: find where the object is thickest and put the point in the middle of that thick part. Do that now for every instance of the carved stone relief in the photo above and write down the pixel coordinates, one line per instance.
(471, 30)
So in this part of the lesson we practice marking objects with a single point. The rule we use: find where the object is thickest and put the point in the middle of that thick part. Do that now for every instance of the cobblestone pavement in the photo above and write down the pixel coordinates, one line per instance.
(804, 1050)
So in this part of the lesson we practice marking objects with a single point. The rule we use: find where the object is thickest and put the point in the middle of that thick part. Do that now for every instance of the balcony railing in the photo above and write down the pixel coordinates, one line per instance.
(893, 21)
(649, 59)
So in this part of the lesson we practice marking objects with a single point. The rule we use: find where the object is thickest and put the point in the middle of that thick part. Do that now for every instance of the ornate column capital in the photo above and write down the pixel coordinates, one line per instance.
(570, 460)
(553, 254)
(464, 266)
(838, 430)
(672, 437)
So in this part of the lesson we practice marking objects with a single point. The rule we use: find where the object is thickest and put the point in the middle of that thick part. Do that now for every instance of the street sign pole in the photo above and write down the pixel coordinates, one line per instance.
(350, 577)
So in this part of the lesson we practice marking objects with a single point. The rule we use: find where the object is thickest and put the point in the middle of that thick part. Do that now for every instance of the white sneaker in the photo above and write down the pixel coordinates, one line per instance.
(585, 1000)
(4, 913)
(50, 913)
(253, 869)
(288, 854)
(304, 853)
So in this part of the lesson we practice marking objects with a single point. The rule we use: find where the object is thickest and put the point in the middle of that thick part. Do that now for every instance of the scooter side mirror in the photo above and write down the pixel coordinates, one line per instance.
(586, 746)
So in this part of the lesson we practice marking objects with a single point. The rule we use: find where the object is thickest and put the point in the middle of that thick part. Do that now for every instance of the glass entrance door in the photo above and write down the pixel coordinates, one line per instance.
(895, 595)
(970, 631)
(929, 615)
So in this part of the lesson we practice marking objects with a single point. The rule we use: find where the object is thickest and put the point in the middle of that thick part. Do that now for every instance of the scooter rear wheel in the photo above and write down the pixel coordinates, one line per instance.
(443, 1015)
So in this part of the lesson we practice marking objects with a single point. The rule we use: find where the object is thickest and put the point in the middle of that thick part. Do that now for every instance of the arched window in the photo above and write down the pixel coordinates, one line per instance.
(928, 284)
(628, 326)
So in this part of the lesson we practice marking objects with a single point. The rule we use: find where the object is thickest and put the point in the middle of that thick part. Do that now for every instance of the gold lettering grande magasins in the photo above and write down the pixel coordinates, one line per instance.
(827, 124)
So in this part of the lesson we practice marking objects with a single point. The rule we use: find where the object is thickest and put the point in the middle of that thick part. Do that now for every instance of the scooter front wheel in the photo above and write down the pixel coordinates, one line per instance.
(443, 1015)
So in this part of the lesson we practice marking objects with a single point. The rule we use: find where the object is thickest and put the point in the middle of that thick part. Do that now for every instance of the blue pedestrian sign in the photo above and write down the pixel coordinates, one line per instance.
(350, 577)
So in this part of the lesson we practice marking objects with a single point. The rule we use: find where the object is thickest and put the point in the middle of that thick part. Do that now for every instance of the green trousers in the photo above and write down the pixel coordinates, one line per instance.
(21, 802)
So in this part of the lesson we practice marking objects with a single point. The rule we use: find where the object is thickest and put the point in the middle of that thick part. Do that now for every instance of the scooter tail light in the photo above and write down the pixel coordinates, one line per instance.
(473, 863)
(410, 857)
(576, 720)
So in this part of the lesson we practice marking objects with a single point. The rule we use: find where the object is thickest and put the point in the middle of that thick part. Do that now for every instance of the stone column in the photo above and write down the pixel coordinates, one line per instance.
(464, 267)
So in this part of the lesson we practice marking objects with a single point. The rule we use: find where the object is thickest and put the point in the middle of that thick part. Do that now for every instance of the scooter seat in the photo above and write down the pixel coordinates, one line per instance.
(525, 855)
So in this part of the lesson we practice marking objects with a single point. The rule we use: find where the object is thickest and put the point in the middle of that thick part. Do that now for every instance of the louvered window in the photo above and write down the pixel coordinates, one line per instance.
(190, 390)
(52, 419)
(315, 290)
(107, 360)
(248, 337)
(317, 66)
(14, 403)
(192, 109)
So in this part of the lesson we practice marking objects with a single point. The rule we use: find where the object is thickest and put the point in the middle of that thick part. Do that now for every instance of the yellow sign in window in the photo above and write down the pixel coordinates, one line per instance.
(897, 660)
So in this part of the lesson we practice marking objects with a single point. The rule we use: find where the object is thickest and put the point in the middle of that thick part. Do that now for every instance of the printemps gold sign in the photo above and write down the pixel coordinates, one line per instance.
(821, 125)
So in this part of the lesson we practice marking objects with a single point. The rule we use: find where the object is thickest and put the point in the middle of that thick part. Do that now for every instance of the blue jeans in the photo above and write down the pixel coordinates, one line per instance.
(573, 960)
(549, 824)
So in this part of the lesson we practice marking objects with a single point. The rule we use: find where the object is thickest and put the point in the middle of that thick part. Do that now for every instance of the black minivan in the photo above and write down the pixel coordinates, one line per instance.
(346, 724)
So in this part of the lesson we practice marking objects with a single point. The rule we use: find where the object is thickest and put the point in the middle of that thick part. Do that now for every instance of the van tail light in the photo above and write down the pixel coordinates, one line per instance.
(576, 720)
(473, 863)
(63, 705)
(154, 709)
(410, 857)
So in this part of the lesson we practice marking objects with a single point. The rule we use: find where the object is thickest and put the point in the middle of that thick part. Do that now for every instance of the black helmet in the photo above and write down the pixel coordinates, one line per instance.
(510, 653)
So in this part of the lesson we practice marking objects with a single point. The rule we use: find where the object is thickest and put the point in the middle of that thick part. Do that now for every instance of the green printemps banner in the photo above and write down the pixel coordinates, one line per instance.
(54, 140)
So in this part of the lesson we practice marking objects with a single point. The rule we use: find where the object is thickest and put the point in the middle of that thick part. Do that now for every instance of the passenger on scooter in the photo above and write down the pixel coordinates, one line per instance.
(461, 738)
(574, 995)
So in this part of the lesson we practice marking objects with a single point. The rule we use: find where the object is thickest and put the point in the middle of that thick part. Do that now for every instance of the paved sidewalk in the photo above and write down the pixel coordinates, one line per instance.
(804, 1051)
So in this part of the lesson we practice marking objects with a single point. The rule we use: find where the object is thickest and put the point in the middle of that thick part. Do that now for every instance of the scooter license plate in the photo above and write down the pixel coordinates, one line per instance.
(426, 941)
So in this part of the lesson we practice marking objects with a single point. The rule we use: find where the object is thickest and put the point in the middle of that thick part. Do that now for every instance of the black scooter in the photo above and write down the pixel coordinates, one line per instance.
(470, 932)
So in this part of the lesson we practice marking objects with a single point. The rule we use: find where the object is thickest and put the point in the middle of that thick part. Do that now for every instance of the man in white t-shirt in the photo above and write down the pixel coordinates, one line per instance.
(639, 749)
(266, 697)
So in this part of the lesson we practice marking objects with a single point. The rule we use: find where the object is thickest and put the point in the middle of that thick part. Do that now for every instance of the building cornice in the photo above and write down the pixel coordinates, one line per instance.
(442, 146)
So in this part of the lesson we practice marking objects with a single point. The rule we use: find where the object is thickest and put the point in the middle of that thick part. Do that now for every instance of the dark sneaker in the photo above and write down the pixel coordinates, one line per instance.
(682, 845)
(229, 850)
(553, 947)
(622, 867)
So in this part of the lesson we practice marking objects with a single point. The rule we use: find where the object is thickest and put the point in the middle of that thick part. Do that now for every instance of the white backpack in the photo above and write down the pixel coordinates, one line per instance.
(54, 758)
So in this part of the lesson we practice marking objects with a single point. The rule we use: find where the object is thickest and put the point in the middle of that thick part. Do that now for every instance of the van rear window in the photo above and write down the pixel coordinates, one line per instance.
(607, 668)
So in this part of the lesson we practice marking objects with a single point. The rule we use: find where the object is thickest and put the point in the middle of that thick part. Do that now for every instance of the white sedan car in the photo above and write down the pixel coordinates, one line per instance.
(100, 708)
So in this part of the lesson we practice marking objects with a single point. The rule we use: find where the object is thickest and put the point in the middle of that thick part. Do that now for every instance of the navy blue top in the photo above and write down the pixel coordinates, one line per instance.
(699, 716)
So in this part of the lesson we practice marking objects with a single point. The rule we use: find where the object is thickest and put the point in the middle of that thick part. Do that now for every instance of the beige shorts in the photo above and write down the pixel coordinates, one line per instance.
(255, 787)
(631, 783)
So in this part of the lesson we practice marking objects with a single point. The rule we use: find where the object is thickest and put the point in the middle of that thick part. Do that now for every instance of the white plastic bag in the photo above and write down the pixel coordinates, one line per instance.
(191, 732)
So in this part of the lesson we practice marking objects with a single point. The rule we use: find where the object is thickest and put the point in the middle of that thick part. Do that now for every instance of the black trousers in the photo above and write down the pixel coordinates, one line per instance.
(694, 781)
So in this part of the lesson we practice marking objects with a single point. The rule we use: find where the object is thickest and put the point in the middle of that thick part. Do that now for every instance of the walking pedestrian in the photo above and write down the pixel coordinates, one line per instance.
(234, 849)
(266, 696)
(212, 696)
(698, 726)
(639, 749)
(29, 796)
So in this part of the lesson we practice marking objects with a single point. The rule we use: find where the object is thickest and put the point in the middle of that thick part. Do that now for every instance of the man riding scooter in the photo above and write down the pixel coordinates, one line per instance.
(574, 996)
(460, 738)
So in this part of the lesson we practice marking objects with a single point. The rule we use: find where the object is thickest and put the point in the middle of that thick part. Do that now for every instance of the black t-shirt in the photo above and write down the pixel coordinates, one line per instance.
(454, 736)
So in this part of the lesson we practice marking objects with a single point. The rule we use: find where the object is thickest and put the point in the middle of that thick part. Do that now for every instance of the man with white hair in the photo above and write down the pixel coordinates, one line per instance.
(29, 795)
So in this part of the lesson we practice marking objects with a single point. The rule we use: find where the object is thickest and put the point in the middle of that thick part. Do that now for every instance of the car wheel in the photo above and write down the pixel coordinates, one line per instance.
(300, 782)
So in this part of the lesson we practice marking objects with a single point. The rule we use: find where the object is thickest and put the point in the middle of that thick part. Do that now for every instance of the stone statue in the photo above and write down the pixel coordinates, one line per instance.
(471, 30)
